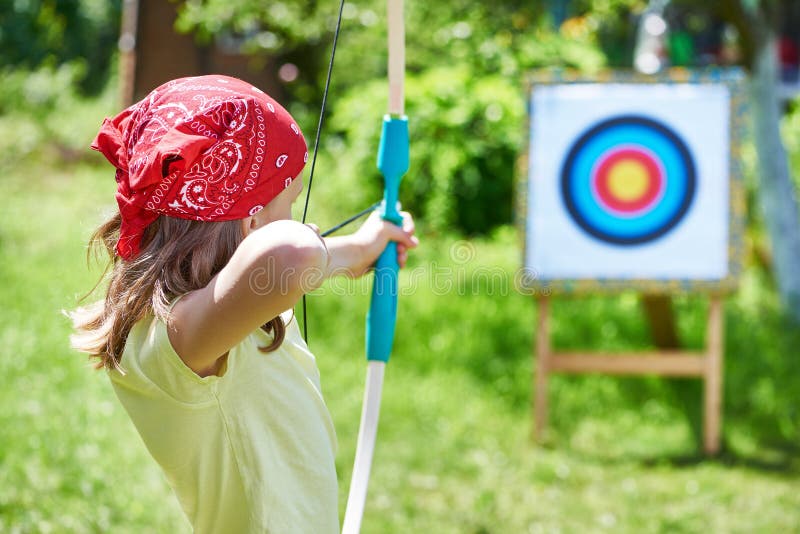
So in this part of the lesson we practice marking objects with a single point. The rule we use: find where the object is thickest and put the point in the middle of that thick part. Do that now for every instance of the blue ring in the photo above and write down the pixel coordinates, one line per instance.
(635, 131)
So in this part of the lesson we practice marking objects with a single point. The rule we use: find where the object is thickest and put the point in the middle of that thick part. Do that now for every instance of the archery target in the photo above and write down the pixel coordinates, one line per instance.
(628, 181)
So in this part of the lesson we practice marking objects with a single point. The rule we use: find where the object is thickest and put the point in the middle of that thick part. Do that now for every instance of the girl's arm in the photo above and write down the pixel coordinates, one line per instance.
(271, 269)
(353, 255)
(269, 272)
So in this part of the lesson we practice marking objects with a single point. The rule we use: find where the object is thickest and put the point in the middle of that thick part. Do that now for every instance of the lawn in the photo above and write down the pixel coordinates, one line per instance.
(453, 453)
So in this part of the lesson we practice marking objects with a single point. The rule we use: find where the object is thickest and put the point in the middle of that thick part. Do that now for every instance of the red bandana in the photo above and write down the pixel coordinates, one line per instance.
(208, 148)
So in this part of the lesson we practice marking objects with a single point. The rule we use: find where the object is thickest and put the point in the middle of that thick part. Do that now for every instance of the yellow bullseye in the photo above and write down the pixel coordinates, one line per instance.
(628, 180)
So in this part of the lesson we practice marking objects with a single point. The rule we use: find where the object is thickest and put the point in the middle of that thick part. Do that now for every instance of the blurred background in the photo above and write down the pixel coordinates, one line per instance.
(454, 451)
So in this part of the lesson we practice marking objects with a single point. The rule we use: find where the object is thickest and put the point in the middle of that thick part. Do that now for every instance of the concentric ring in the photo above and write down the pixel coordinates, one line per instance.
(628, 180)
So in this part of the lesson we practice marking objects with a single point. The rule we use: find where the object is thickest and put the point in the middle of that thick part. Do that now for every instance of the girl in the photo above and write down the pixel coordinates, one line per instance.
(196, 329)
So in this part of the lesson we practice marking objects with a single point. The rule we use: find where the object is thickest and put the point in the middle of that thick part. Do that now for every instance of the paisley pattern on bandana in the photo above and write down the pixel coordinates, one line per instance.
(207, 148)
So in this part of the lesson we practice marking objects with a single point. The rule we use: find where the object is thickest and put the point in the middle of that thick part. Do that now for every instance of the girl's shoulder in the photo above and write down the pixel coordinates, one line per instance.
(150, 368)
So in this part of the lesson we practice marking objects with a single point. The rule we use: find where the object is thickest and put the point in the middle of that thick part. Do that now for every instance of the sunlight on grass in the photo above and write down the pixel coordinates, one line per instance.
(71, 461)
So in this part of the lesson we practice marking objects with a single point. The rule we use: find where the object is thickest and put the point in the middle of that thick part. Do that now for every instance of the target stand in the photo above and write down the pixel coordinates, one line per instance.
(634, 183)
(706, 364)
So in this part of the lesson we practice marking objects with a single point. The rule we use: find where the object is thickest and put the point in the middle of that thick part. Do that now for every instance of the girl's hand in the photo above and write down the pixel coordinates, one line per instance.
(353, 255)
(376, 233)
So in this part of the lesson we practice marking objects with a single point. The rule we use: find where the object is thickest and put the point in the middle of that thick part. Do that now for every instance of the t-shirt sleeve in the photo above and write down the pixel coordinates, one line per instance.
(152, 366)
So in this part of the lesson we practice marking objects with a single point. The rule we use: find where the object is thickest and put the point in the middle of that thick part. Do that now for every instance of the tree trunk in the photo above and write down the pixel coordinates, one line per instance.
(776, 190)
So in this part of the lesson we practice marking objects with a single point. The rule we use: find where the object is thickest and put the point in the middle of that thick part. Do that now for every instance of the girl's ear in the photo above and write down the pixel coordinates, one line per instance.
(248, 225)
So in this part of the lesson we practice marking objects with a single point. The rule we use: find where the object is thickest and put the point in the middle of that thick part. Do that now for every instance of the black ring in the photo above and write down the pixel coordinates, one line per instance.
(685, 155)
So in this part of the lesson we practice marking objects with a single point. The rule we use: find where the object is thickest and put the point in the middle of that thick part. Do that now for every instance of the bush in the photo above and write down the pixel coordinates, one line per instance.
(38, 33)
(42, 112)
(466, 133)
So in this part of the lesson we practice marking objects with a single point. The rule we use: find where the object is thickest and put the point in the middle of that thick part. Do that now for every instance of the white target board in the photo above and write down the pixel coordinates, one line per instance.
(629, 182)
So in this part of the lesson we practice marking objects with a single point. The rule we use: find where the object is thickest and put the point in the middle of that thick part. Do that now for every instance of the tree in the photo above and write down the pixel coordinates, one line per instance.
(758, 24)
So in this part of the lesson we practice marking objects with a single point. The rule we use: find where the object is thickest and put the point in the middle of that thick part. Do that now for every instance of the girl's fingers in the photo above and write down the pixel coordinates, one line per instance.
(401, 249)
(402, 258)
(401, 236)
(408, 222)
(379, 232)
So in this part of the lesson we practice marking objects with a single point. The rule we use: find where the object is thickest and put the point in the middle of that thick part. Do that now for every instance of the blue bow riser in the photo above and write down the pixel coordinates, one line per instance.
(382, 314)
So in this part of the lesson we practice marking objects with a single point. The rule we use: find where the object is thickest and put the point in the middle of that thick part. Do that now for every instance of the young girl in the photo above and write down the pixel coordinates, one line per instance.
(196, 330)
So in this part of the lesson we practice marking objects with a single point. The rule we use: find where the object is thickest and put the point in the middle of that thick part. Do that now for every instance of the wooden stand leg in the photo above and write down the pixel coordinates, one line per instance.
(707, 366)
(542, 358)
(658, 310)
(713, 377)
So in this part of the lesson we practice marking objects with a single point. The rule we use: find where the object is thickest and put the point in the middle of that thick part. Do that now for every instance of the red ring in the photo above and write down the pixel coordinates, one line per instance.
(654, 183)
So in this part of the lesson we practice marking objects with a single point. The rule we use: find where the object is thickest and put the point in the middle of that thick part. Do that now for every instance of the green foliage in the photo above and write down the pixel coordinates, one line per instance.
(506, 37)
(42, 112)
(267, 27)
(37, 92)
(465, 132)
(465, 106)
(68, 458)
(614, 22)
(790, 130)
(36, 33)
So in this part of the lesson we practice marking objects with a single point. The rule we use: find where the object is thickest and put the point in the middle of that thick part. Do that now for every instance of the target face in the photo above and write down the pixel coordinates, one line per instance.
(628, 180)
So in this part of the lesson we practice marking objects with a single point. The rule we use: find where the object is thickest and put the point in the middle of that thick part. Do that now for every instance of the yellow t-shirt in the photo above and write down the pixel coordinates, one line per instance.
(249, 451)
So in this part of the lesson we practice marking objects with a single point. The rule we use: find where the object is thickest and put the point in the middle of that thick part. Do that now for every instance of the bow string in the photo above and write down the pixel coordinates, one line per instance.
(382, 315)
(320, 123)
(392, 162)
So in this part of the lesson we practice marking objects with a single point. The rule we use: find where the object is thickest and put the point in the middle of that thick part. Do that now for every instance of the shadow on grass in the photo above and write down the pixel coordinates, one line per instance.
(783, 460)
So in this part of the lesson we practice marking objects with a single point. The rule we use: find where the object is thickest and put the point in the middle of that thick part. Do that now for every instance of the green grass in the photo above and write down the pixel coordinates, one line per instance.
(69, 460)
(453, 452)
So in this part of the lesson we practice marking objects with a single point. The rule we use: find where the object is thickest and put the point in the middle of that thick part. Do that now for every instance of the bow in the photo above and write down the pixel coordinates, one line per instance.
(382, 315)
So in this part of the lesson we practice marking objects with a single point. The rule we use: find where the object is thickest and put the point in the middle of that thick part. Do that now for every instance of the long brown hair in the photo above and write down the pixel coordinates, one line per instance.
(177, 256)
